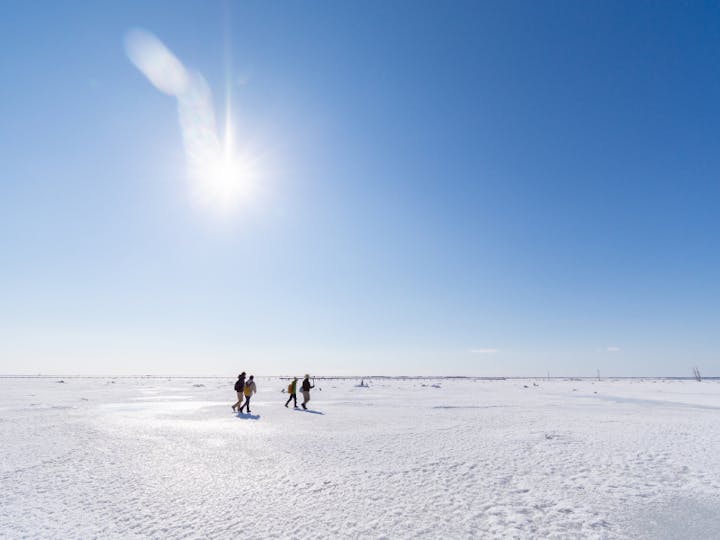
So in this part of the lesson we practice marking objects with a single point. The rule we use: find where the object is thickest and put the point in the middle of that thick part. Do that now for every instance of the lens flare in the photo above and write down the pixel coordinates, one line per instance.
(219, 177)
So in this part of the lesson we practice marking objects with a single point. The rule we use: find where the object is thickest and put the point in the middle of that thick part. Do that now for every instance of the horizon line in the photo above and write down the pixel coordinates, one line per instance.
(282, 376)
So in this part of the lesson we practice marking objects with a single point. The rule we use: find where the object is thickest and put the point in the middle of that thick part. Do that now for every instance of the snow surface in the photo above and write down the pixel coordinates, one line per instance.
(167, 458)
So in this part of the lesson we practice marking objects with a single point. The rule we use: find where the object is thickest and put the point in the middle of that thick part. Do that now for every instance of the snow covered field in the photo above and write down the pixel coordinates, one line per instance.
(167, 458)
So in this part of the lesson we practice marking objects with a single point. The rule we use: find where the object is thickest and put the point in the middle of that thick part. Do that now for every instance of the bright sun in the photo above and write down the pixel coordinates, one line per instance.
(224, 181)
(220, 178)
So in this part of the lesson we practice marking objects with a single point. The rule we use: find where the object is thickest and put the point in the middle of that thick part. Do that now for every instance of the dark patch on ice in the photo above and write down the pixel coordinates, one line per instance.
(350, 403)
(680, 517)
(653, 402)
(470, 407)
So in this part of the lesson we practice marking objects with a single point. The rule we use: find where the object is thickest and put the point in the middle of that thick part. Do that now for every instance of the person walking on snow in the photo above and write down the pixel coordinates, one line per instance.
(306, 386)
(239, 387)
(292, 390)
(250, 389)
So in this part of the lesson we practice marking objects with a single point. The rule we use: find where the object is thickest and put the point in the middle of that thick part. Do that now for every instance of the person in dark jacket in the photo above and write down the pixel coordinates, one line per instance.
(306, 386)
(292, 390)
(239, 388)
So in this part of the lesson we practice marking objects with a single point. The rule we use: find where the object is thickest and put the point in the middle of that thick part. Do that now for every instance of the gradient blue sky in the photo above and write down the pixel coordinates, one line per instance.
(480, 188)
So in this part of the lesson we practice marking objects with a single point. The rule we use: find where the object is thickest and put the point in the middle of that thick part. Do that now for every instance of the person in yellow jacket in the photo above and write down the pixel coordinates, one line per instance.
(249, 390)
(292, 390)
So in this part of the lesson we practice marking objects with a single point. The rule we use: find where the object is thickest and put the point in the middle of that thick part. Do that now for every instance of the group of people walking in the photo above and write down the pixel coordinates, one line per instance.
(246, 388)
(304, 387)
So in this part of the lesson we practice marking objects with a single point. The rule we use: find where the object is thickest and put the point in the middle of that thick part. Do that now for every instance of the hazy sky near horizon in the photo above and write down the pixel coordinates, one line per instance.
(470, 188)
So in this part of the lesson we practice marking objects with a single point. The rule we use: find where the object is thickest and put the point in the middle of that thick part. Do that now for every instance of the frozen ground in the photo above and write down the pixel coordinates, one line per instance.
(166, 458)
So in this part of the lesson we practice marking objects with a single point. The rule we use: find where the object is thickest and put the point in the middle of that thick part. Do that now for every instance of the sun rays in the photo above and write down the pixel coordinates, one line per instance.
(220, 177)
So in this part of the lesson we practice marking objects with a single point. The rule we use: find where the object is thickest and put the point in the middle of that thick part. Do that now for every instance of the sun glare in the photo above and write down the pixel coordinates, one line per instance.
(220, 178)
(225, 182)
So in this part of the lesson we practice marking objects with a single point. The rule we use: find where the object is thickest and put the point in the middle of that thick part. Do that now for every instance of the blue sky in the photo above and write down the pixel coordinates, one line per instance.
(497, 188)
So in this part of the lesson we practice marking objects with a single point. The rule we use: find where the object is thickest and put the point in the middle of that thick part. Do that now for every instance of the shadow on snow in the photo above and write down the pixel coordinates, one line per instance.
(245, 416)
(308, 411)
